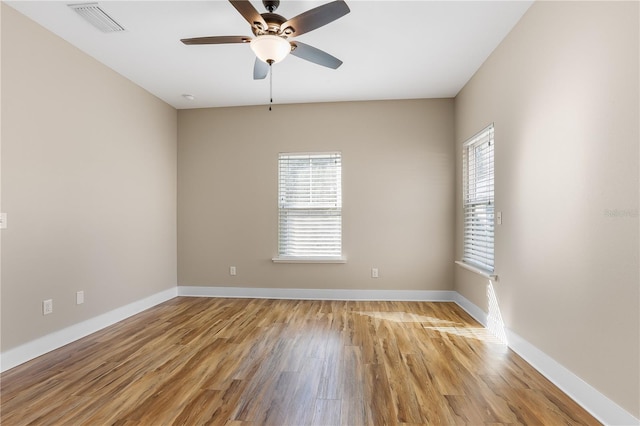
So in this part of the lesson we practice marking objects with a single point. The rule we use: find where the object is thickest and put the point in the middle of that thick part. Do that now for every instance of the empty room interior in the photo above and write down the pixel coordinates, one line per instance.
(437, 225)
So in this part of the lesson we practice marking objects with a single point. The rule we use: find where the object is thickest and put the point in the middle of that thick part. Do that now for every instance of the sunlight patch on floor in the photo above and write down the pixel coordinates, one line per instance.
(401, 317)
(439, 325)
(477, 333)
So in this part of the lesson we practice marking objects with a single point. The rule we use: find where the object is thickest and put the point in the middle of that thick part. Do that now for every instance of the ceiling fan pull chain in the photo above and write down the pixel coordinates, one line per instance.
(270, 85)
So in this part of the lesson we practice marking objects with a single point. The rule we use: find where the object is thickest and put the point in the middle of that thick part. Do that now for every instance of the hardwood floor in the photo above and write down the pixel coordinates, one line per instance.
(194, 361)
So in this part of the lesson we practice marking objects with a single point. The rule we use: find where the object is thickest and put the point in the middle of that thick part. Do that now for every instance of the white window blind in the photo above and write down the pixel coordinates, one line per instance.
(478, 192)
(310, 205)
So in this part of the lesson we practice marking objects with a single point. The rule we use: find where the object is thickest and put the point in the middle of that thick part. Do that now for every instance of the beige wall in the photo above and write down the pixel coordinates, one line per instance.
(398, 177)
(88, 182)
(562, 90)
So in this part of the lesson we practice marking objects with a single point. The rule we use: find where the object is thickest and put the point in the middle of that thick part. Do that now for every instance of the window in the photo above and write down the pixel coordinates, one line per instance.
(310, 207)
(478, 200)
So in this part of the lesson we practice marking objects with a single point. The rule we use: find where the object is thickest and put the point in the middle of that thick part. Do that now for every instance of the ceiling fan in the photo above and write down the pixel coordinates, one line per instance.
(272, 32)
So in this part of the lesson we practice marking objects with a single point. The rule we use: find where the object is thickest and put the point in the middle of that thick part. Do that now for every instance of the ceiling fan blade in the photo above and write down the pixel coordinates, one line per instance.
(216, 40)
(249, 13)
(315, 18)
(260, 70)
(317, 56)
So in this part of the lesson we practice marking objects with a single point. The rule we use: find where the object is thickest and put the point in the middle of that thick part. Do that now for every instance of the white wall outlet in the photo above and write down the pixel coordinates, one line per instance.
(47, 307)
(499, 218)
(374, 273)
(79, 297)
(232, 270)
(3, 221)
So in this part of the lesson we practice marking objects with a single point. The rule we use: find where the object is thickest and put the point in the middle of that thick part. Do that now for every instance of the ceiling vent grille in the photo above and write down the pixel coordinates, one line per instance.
(97, 17)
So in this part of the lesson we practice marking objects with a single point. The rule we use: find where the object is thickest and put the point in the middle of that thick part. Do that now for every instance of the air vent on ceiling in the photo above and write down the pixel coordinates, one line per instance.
(97, 17)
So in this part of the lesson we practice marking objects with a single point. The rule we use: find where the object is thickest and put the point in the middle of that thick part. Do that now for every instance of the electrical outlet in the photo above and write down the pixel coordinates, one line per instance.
(47, 307)
(374, 272)
(232, 270)
(79, 297)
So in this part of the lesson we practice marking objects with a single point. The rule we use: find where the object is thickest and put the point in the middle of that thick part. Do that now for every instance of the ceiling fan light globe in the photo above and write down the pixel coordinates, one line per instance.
(270, 48)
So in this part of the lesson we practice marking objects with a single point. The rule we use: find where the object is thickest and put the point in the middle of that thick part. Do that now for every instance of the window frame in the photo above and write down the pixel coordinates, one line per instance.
(478, 202)
(291, 208)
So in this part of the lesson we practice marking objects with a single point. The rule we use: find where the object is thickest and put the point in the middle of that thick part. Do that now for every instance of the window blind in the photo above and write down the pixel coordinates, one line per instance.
(310, 205)
(478, 193)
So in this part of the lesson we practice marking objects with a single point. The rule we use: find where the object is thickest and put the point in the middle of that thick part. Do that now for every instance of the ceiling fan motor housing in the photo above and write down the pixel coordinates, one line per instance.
(274, 22)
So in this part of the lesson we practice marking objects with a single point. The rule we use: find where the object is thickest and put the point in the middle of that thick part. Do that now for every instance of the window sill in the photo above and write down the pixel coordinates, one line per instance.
(479, 271)
(309, 259)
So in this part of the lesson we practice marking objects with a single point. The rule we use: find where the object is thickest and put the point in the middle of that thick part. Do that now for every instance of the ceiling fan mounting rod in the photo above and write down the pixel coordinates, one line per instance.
(271, 5)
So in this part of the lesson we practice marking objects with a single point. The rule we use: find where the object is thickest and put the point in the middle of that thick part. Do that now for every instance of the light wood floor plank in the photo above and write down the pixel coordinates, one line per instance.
(249, 362)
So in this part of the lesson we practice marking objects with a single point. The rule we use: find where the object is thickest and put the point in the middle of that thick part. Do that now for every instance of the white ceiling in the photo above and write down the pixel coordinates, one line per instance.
(390, 49)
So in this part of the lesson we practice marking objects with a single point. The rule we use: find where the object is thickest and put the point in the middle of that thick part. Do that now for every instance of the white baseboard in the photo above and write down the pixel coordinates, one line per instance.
(601, 407)
(35, 348)
(318, 294)
(472, 309)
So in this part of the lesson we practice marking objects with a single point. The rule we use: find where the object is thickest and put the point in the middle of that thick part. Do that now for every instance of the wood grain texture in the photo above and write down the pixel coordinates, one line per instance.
(193, 361)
